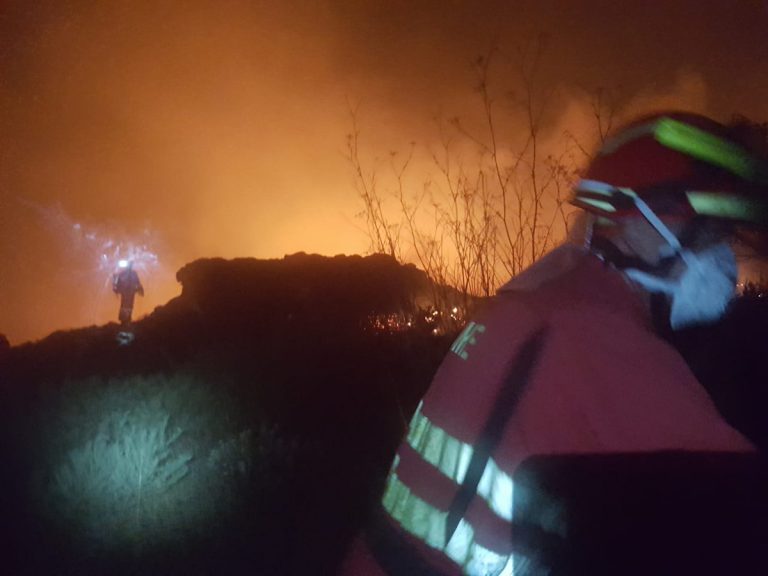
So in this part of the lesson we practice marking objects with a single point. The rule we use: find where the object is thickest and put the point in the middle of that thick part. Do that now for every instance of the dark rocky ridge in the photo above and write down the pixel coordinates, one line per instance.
(345, 288)
(240, 305)
(290, 340)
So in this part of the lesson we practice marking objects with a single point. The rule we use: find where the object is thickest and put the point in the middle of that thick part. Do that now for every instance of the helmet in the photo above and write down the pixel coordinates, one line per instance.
(681, 165)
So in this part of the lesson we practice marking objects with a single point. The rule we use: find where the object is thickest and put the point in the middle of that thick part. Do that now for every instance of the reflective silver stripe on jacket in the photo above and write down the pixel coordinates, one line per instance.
(427, 523)
(451, 457)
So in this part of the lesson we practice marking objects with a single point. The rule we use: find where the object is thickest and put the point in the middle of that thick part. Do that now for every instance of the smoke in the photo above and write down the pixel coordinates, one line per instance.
(217, 126)
(224, 124)
(688, 92)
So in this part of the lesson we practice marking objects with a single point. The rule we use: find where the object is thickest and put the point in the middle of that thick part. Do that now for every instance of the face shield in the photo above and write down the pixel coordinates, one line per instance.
(700, 289)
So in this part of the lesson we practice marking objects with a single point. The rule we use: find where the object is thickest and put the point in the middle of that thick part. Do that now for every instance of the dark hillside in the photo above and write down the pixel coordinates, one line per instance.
(248, 427)
(344, 288)
(244, 430)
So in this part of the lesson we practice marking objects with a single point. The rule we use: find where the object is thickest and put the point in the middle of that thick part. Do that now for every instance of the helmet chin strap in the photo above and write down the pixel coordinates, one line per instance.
(660, 227)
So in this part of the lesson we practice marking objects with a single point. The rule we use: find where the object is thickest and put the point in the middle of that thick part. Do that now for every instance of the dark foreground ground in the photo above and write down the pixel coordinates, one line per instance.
(246, 430)
(249, 426)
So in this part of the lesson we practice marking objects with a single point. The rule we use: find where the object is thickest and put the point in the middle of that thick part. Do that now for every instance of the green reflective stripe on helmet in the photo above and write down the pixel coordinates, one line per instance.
(696, 143)
(427, 523)
(603, 188)
(451, 457)
(705, 147)
(725, 206)
(599, 204)
(596, 187)
(587, 189)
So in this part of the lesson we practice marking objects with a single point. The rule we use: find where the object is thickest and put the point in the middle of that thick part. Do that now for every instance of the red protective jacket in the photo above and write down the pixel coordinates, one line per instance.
(591, 377)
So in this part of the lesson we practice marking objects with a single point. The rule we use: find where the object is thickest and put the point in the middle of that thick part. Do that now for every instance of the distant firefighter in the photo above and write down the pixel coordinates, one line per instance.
(126, 283)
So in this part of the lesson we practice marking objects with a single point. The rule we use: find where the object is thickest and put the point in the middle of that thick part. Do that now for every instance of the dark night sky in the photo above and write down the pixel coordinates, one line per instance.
(218, 128)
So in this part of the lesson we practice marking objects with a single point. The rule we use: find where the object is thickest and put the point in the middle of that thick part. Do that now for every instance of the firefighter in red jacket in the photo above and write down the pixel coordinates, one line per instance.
(126, 283)
(568, 360)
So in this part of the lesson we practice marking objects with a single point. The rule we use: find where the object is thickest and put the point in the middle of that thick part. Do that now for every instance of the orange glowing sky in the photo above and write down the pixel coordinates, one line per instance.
(219, 127)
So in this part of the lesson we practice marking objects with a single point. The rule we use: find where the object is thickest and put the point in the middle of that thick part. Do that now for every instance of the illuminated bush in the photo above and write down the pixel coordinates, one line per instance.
(123, 482)
(138, 463)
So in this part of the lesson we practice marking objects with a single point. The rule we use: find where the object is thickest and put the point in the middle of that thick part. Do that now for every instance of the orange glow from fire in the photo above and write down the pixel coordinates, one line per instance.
(221, 127)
